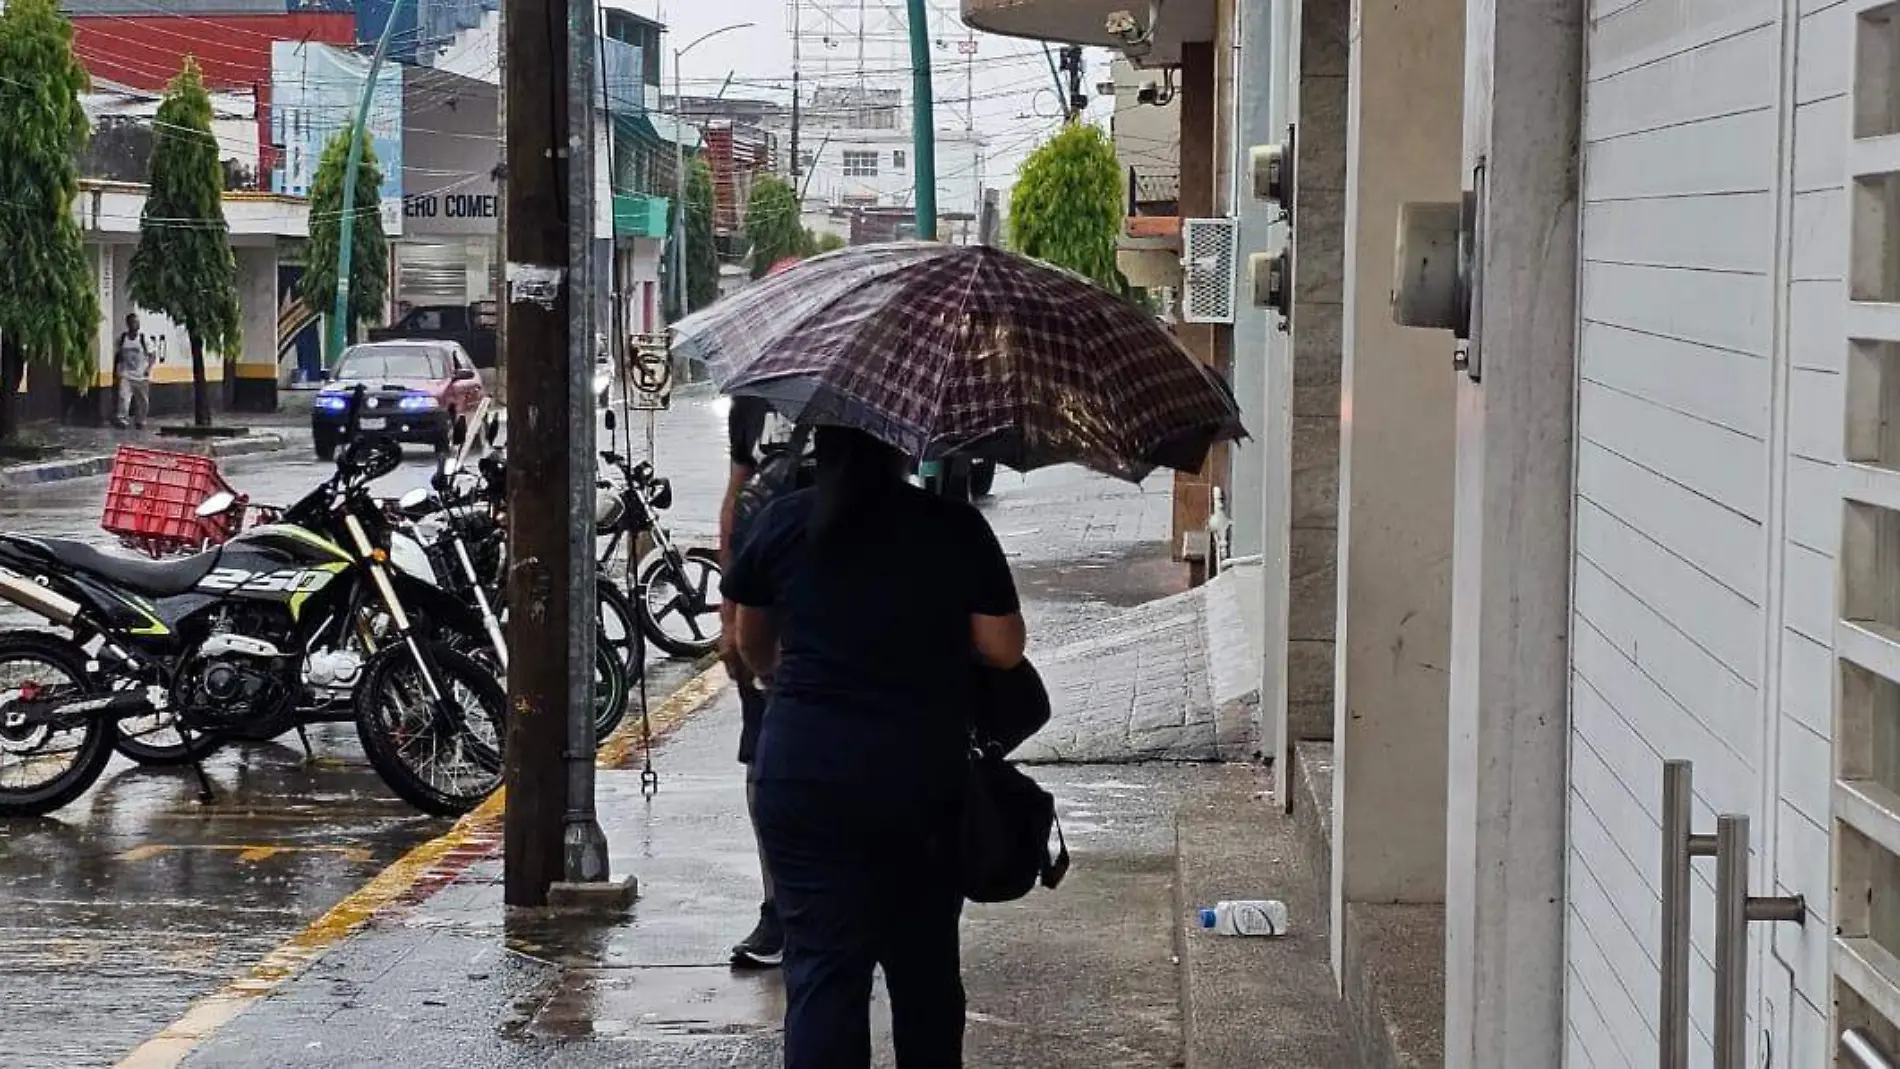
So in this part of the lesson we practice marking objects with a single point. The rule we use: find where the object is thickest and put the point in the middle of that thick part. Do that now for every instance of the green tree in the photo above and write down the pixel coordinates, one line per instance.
(1066, 208)
(772, 225)
(183, 266)
(369, 246)
(824, 243)
(702, 257)
(49, 306)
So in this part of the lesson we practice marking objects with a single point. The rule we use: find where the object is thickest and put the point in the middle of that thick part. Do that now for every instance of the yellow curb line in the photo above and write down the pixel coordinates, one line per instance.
(171, 1046)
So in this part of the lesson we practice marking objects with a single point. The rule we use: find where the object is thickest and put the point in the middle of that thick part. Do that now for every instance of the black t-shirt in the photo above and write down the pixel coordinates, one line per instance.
(876, 669)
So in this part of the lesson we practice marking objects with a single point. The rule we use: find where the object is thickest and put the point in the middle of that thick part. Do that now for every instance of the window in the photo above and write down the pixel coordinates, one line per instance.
(805, 160)
(391, 362)
(897, 159)
(860, 164)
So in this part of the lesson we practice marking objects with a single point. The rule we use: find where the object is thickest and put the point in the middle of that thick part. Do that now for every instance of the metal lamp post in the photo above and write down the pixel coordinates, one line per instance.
(346, 236)
(679, 165)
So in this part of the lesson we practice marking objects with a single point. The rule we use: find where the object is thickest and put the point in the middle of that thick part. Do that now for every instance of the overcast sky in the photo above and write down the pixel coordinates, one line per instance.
(1013, 94)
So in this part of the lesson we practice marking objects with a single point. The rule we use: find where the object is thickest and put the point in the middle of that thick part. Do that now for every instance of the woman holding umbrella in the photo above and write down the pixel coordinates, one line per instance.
(860, 761)
(868, 603)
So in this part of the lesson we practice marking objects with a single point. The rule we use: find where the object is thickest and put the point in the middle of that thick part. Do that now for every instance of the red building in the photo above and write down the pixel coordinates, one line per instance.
(143, 50)
(736, 154)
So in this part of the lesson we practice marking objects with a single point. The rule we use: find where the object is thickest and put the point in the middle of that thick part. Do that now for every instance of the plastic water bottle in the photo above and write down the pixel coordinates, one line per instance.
(1265, 916)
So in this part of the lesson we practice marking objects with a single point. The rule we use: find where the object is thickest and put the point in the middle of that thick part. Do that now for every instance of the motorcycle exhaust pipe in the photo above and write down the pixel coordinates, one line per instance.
(34, 597)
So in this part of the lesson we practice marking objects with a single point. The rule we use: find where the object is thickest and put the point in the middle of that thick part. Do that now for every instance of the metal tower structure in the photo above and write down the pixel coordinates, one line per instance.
(853, 54)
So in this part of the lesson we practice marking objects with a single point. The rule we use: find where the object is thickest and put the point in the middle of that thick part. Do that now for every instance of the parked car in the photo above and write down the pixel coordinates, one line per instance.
(417, 391)
(472, 326)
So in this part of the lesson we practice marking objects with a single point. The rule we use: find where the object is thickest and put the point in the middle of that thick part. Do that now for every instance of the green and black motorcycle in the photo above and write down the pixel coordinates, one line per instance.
(242, 642)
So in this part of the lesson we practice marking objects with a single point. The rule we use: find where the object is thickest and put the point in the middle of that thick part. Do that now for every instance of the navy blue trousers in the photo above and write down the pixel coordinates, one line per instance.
(864, 880)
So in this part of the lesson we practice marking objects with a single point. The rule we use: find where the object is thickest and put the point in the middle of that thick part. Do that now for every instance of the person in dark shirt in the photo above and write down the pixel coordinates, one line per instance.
(867, 604)
(753, 430)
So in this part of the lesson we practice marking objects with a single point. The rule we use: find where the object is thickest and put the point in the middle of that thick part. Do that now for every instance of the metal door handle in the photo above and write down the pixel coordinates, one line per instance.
(1679, 845)
(1734, 910)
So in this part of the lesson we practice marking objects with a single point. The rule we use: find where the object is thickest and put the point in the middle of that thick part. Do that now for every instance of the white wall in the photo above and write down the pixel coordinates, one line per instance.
(1709, 427)
(960, 168)
(451, 146)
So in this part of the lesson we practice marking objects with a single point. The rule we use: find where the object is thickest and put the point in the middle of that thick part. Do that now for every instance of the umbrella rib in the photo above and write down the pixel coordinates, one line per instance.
(963, 304)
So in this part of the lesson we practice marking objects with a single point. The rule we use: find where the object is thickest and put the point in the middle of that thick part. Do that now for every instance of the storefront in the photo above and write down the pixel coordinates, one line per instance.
(451, 207)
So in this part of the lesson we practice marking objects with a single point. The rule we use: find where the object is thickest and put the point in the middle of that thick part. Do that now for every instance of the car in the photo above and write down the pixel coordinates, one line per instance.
(415, 391)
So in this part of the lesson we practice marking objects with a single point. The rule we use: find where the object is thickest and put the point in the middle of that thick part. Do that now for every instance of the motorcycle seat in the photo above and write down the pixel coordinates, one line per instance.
(142, 575)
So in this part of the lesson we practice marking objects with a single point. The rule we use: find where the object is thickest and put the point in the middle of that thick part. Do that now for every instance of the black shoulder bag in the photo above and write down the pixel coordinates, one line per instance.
(1007, 817)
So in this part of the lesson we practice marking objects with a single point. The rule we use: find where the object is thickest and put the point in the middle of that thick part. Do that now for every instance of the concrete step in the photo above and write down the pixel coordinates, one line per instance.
(1394, 953)
(1252, 1003)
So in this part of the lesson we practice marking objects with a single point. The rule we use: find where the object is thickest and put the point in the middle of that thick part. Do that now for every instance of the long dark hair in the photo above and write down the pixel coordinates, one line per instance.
(855, 471)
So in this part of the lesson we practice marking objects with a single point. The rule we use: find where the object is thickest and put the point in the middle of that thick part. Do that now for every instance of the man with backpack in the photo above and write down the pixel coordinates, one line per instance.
(769, 457)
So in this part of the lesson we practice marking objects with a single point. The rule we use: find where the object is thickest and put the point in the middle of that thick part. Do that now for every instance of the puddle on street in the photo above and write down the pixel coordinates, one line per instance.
(675, 1003)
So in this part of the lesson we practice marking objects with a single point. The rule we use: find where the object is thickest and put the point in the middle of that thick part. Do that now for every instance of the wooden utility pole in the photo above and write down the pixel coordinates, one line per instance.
(550, 835)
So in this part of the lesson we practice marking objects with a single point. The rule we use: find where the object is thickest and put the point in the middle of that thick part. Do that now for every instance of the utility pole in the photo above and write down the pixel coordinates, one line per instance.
(498, 256)
(680, 229)
(1078, 101)
(550, 835)
(797, 98)
(923, 133)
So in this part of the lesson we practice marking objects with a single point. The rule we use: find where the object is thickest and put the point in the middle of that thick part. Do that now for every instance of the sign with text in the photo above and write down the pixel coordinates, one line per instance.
(428, 207)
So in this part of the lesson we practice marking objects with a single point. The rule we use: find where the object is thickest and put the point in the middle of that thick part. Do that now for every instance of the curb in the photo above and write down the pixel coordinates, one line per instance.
(87, 466)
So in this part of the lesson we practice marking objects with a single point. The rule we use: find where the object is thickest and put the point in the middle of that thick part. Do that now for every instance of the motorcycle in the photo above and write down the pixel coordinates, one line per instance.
(292, 622)
(673, 588)
(450, 533)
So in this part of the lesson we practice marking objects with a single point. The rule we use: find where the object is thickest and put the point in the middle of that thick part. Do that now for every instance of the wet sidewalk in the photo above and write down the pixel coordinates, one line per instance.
(78, 452)
(1084, 976)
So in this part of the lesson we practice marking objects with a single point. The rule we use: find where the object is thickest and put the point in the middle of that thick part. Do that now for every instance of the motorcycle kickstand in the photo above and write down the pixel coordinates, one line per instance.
(206, 795)
(303, 736)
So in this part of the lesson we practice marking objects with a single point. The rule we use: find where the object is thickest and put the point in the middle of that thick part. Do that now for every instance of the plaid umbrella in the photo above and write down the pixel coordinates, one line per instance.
(941, 349)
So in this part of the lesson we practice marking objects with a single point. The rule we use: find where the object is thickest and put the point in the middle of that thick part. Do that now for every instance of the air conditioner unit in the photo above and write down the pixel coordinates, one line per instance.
(1208, 286)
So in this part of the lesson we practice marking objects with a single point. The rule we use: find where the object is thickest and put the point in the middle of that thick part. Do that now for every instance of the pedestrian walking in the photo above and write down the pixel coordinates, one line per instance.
(865, 604)
(757, 438)
(132, 370)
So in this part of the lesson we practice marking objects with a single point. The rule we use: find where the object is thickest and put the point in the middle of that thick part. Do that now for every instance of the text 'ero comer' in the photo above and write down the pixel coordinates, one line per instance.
(451, 206)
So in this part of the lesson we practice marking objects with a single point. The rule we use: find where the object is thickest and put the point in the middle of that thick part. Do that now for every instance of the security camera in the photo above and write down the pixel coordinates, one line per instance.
(1149, 93)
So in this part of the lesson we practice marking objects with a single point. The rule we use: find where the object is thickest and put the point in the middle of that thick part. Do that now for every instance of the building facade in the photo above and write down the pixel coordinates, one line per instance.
(1574, 505)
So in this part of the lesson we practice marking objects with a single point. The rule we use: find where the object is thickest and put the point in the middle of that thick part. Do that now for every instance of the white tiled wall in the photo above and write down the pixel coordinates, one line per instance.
(1682, 486)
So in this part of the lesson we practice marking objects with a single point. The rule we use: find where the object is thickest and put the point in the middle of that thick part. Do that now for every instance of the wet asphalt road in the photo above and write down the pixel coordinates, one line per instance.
(120, 911)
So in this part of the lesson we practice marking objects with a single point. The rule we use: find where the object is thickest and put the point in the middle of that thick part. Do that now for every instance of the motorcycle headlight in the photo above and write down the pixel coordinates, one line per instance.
(608, 511)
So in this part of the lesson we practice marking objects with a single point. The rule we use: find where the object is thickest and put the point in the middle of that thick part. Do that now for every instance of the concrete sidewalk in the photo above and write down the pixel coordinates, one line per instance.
(1084, 976)
(84, 452)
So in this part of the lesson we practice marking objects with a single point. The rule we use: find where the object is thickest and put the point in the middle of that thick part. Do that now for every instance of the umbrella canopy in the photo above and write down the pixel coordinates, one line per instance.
(942, 349)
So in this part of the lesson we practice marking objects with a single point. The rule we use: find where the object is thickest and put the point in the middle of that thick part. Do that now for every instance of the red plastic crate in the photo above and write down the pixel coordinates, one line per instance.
(152, 499)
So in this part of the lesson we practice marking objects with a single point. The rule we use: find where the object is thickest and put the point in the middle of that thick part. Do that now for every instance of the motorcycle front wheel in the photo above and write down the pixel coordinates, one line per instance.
(442, 764)
(44, 767)
(679, 606)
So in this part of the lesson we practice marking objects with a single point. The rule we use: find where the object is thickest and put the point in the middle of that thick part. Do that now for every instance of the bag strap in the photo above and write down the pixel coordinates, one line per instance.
(1053, 872)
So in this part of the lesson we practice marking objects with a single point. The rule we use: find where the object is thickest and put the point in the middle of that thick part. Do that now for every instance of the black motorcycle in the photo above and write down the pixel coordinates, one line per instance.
(457, 528)
(242, 642)
(675, 591)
